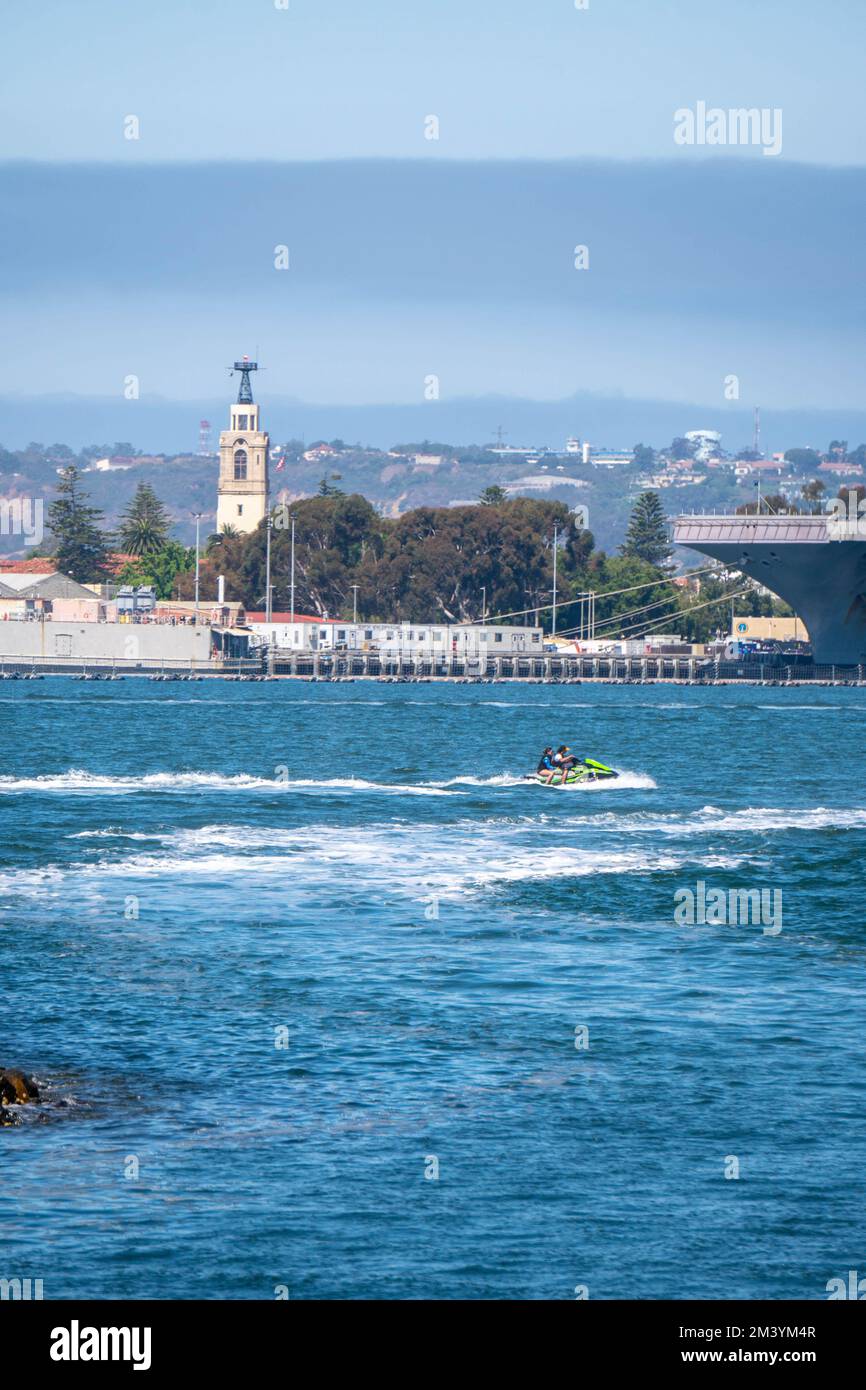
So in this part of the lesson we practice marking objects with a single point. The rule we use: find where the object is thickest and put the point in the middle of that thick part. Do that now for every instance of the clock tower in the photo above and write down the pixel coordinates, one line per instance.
(242, 491)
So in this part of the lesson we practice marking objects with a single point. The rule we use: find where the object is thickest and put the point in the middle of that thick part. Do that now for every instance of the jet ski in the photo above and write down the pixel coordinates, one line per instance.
(586, 771)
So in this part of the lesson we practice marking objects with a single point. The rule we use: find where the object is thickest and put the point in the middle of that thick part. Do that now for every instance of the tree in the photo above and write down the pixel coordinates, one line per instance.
(493, 496)
(655, 598)
(81, 550)
(814, 491)
(807, 459)
(709, 614)
(144, 526)
(160, 568)
(644, 456)
(326, 488)
(647, 536)
(682, 448)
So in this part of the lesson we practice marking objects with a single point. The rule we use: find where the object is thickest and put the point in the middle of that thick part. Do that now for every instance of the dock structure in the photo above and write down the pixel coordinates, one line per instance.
(549, 667)
(331, 666)
(274, 664)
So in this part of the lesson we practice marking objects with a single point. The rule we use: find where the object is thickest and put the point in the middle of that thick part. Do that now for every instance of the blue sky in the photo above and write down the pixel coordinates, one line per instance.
(305, 127)
(325, 79)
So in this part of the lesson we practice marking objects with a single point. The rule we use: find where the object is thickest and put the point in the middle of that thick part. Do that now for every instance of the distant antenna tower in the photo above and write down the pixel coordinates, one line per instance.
(245, 391)
(500, 433)
(204, 436)
(756, 445)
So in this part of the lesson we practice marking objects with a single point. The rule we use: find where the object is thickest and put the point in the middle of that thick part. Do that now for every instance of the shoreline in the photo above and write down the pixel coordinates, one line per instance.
(259, 678)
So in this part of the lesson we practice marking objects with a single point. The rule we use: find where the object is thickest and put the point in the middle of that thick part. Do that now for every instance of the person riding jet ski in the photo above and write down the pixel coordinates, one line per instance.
(565, 759)
(563, 767)
(562, 761)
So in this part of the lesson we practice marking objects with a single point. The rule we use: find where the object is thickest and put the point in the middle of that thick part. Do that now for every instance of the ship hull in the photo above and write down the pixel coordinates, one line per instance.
(822, 578)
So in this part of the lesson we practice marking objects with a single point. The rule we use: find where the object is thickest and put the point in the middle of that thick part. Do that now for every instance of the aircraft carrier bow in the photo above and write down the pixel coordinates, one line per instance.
(817, 564)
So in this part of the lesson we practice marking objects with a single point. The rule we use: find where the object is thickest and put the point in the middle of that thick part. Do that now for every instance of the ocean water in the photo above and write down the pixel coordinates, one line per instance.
(326, 1002)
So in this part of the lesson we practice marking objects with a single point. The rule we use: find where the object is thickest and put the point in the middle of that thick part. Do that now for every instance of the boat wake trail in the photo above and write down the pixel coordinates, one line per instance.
(84, 783)
(89, 783)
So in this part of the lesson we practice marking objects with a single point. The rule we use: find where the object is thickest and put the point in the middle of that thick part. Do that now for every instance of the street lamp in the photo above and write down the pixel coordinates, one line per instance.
(555, 579)
(198, 517)
(292, 583)
(270, 527)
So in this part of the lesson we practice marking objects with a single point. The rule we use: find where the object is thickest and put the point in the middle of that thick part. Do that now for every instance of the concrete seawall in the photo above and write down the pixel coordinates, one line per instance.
(126, 642)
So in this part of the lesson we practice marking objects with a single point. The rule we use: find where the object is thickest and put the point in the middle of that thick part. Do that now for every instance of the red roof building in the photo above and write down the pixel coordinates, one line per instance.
(287, 618)
(842, 470)
(41, 565)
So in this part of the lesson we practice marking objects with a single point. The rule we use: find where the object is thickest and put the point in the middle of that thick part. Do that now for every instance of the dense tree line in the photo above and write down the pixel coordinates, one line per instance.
(432, 564)
(446, 564)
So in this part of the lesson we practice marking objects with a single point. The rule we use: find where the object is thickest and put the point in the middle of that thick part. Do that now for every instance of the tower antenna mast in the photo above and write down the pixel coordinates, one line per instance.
(245, 391)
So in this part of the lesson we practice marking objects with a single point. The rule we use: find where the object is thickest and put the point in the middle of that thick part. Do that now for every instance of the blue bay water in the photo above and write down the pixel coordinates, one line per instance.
(357, 871)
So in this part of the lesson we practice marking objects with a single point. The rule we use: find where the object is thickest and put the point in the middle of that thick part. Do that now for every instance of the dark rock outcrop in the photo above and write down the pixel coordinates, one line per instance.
(16, 1088)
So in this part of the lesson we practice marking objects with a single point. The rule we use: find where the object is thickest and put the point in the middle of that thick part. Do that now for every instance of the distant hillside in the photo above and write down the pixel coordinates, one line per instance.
(158, 425)
(394, 483)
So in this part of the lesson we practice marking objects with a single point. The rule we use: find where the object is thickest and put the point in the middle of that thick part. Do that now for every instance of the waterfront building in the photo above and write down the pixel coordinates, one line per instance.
(749, 629)
(394, 640)
(26, 592)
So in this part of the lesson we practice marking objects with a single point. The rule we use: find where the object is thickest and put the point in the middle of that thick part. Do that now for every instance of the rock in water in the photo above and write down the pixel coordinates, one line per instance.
(16, 1088)
(8, 1117)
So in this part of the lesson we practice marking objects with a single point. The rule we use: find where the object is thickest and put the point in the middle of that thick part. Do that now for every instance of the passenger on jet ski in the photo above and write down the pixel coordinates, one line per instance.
(547, 767)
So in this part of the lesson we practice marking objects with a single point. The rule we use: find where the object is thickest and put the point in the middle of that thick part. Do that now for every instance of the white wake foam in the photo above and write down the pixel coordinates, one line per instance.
(79, 781)
(90, 782)
(407, 860)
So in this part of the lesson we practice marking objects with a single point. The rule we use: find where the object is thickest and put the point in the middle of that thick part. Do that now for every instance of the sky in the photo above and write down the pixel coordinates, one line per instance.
(413, 260)
(508, 79)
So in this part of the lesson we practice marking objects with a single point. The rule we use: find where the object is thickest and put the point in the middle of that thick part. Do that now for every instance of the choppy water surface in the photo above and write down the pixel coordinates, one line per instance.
(192, 878)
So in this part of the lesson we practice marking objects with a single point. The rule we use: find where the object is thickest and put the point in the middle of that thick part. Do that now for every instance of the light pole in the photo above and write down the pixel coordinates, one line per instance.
(555, 548)
(270, 524)
(292, 582)
(355, 588)
(483, 604)
(197, 516)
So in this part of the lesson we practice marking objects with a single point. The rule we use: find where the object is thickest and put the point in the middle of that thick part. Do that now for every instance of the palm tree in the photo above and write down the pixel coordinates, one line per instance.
(145, 524)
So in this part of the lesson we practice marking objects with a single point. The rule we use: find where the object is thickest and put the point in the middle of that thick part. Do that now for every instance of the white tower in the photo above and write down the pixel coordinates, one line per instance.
(242, 491)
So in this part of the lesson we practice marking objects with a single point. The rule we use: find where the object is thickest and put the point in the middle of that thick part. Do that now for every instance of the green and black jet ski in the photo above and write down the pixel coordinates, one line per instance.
(586, 771)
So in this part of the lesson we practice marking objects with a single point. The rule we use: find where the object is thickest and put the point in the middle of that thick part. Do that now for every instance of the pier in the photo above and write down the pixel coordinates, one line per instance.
(620, 670)
(343, 666)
